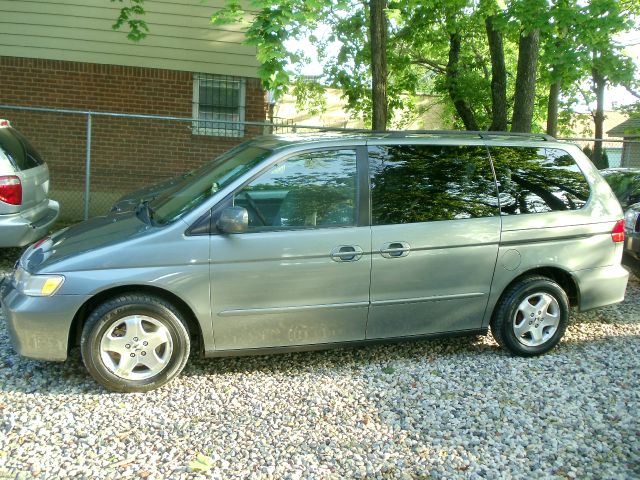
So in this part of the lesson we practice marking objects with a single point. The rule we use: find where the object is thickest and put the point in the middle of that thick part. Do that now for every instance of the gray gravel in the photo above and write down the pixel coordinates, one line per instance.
(453, 408)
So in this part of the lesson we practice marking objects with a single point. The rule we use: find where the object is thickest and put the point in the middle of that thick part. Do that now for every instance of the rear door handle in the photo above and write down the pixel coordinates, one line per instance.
(395, 249)
(346, 253)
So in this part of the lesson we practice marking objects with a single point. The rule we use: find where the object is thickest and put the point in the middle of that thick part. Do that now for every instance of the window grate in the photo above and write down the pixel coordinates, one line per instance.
(219, 103)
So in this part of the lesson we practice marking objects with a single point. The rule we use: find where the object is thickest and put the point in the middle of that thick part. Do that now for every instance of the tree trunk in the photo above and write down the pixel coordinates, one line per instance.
(378, 33)
(462, 107)
(552, 109)
(528, 48)
(599, 83)
(498, 78)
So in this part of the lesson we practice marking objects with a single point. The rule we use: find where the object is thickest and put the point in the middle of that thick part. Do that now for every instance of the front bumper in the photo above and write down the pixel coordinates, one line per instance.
(18, 230)
(39, 326)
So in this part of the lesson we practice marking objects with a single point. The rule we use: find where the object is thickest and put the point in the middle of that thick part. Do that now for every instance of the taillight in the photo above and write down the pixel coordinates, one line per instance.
(617, 234)
(40, 242)
(11, 190)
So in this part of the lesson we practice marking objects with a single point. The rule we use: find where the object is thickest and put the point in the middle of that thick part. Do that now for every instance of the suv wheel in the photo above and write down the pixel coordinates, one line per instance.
(531, 316)
(135, 343)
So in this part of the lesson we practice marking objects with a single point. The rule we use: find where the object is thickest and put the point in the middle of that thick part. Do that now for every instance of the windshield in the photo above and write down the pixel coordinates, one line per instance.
(204, 182)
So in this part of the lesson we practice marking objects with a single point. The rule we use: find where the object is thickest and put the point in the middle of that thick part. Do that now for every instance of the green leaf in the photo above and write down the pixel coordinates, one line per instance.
(394, 14)
(202, 463)
(138, 28)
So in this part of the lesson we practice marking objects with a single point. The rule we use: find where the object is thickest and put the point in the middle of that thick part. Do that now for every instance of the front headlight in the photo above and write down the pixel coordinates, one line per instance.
(36, 285)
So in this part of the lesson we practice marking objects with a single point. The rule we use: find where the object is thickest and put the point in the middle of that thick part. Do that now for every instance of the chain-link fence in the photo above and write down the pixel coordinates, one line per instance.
(616, 152)
(95, 158)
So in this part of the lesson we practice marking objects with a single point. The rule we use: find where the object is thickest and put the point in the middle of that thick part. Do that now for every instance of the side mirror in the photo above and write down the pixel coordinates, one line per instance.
(233, 220)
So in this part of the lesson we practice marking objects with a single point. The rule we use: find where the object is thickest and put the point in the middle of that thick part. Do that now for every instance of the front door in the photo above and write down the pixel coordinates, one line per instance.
(300, 274)
(435, 234)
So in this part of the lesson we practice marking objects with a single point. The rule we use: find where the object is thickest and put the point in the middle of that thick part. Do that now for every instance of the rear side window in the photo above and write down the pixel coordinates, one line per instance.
(423, 183)
(538, 180)
(18, 150)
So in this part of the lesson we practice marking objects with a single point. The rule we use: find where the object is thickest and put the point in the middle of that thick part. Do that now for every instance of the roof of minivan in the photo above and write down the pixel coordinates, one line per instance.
(282, 140)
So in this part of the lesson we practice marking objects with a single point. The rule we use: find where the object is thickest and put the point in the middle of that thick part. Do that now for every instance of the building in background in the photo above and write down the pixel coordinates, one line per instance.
(65, 55)
(430, 113)
(629, 130)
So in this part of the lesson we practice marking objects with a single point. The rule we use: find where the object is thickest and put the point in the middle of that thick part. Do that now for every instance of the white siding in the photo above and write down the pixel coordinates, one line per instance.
(180, 38)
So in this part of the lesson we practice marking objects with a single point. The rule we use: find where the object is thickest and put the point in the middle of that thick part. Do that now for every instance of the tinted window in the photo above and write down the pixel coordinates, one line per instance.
(11, 147)
(625, 185)
(18, 150)
(315, 189)
(206, 181)
(32, 157)
(421, 183)
(537, 180)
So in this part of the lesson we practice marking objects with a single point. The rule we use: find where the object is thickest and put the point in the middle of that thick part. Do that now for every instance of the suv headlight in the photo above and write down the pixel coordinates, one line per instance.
(36, 285)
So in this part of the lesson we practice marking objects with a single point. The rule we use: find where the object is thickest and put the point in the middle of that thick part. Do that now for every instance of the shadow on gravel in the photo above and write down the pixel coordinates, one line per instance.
(9, 257)
(22, 375)
(70, 377)
(346, 358)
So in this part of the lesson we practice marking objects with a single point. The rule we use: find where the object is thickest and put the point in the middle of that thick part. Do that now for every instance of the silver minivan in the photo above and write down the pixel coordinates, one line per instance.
(26, 212)
(301, 242)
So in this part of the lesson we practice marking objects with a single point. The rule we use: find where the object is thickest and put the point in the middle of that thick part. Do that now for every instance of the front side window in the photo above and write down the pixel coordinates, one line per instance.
(424, 183)
(538, 180)
(308, 190)
(219, 105)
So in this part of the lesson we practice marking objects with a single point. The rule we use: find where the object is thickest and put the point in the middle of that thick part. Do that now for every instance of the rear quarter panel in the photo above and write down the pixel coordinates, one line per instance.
(573, 241)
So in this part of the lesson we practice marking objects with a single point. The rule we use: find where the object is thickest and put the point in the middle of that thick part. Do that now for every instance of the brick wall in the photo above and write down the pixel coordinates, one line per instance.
(126, 153)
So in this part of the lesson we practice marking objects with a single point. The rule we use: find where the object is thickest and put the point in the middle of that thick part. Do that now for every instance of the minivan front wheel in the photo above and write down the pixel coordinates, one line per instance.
(135, 343)
(531, 316)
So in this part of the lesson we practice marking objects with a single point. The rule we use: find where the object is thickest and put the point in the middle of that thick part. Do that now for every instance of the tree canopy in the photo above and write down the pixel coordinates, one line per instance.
(495, 65)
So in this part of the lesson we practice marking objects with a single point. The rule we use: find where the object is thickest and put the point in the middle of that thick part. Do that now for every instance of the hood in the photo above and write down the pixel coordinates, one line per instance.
(86, 245)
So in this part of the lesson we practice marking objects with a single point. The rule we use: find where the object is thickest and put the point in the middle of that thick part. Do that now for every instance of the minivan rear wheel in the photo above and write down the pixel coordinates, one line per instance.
(531, 316)
(135, 343)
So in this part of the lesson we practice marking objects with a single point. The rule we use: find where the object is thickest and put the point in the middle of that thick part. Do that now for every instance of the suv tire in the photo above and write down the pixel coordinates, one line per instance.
(531, 316)
(135, 343)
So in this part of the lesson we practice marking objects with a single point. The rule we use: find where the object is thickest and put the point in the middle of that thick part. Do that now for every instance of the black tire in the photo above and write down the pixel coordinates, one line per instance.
(530, 336)
(115, 322)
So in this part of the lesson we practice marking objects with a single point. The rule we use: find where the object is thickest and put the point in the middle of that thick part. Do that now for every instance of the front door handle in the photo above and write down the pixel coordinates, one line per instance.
(346, 253)
(395, 249)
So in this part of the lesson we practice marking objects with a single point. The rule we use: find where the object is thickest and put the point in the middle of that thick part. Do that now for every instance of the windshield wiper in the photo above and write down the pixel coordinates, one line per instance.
(145, 212)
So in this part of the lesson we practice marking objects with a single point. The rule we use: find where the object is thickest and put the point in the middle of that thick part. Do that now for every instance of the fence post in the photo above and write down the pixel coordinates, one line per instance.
(87, 169)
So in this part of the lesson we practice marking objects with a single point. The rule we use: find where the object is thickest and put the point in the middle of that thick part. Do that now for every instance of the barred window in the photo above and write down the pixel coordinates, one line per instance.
(218, 102)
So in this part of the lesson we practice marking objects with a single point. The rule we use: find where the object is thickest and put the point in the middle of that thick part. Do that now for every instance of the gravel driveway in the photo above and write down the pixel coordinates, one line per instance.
(435, 409)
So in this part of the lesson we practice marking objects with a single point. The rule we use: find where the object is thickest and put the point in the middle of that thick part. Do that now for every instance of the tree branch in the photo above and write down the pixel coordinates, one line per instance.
(483, 64)
(632, 91)
(435, 66)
